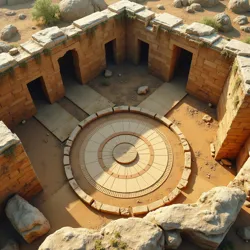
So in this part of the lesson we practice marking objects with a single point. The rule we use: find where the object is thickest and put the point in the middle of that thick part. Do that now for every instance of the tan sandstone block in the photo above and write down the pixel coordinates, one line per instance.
(174, 194)
(97, 205)
(164, 120)
(140, 210)
(110, 209)
(65, 160)
(68, 172)
(74, 133)
(186, 174)
(105, 112)
(188, 161)
(156, 204)
(121, 109)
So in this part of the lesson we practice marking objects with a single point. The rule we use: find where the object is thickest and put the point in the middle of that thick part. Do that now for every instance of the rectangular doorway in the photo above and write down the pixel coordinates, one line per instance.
(110, 52)
(183, 60)
(143, 52)
(38, 91)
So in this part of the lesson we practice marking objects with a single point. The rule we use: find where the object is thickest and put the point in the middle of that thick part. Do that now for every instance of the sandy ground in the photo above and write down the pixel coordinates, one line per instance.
(25, 26)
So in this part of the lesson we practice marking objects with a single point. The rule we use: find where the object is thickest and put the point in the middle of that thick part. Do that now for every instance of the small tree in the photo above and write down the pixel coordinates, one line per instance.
(46, 12)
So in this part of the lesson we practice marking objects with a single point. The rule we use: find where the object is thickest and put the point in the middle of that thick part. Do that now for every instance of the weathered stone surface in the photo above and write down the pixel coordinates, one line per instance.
(199, 29)
(13, 51)
(245, 28)
(143, 90)
(90, 21)
(241, 20)
(196, 7)
(22, 56)
(238, 47)
(244, 233)
(26, 219)
(184, 3)
(131, 230)
(167, 21)
(177, 4)
(172, 239)
(108, 73)
(70, 10)
(134, 7)
(71, 30)
(10, 245)
(31, 47)
(224, 21)
(6, 61)
(238, 6)
(145, 15)
(8, 32)
(189, 9)
(205, 3)
(215, 212)
(219, 44)
(4, 47)
(119, 6)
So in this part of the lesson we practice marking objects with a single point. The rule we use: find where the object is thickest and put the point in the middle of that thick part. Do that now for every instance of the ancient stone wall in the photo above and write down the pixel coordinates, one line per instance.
(16, 172)
(209, 69)
(233, 115)
(244, 155)
(88, 49)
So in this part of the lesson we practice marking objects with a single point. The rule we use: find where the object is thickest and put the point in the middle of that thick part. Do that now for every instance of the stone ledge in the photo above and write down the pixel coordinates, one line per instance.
(119, 7)
(104, 112)
(110, 209)
(71, 31)
(187, 161)
(86, 121)
(31, 47)
(164, 120)
(167, 21)
(186, 174)
(140, 210)
(148, 113)
(145, 15)
(238, 48)
(68, 172)
(124, 211)
(156, 204)
(182, 184)
(66, 150)
(69, 143)
(134, 109)
(96, 205)
(74, 133)
(66, 160)
(134, 7)
(176, 130)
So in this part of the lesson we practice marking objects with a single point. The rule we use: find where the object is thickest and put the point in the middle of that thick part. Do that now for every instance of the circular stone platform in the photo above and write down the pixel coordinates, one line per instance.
(125, 156)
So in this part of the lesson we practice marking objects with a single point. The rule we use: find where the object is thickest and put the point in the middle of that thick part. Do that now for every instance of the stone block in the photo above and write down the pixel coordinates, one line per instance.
(166, 200)
(185, 146)
(121, 109)
(148, 113)
(167, 21)
(22, 56)
(90, 21)
(31, 47)
(164, 120)
(68, 143)
(199, 29)
(73, 184)
(182, 184)
(74, 133)
(186, 174)
(105, 112)
(244, 67)
(66, 150)
(83, 196)
(119, 6)
(87, 120)
(210, 39)
(238, 47)
(68, 172)
(7, 138)
(156, 204)
(65, 160)
(109, 13)
(219, 44)
(110, 209)
(135, 109)
(6, 61)
(175, 129)
(140, 210)
(174, 194)
(187, 157)
(71, 30)
(124, 211)
(96, 205)
(145, 15)
(180, 29)
(134, 7)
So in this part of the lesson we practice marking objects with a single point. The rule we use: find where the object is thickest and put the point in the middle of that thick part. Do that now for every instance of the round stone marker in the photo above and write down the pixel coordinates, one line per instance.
(124, 153)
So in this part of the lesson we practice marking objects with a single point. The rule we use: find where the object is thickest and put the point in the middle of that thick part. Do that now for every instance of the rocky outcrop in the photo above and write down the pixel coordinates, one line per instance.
(120, 233)
(26, 219)
(206, 222)
(71, 10)
(215, 212)
(241, 20)
(8, 32)
(224, 22)
(238, 6)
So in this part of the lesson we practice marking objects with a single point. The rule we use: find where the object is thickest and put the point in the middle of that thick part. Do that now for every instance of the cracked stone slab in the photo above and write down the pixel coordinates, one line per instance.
(219, 44)
(238, 47)
(31, 47)
(119, 7)
(210, 39)
(199, 29)
(90, 21)
(180, 29)
(7, 138)
(6, 61)
(71, 30)
(49, 37)
(22, 56)
(145, 15)
(134, 7)
(167, 21)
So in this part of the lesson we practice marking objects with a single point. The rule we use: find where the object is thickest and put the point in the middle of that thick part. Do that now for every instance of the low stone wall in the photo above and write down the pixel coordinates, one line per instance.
(17, 175)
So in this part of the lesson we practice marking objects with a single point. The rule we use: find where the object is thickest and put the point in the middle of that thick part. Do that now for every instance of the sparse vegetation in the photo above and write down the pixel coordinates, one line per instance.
(23, 64)
(117, 243)
(9, 152)
(247, 40)
(131, 16)
(234, 69)
(47, 52)
(46, 12)
(98, 245)
(211, 22)
(236, 101)
(227, 54)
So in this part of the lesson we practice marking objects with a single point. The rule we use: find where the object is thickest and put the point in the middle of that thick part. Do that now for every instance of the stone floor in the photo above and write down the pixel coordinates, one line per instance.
(63, 208)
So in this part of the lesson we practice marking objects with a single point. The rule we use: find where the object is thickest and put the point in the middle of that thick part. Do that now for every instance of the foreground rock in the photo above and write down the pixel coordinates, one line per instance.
(8, 32)
(196, 7)
(71, 10)
(238, 6)
(241, 20)
(224, 21)
(244, 233)
(207, 221)
(143, 90)
(132, 233)
(4, 47)
(26, 219)
(173, 239)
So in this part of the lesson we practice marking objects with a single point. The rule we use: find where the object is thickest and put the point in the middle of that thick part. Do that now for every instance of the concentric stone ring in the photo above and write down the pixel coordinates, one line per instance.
(125, 153)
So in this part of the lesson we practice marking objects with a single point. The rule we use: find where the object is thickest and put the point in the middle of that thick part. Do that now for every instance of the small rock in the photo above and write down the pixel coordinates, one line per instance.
(173, 239)
(23, 121)
(10, 245)
(244, 233)
(210, 105)
(177, 4)
(143, 90)
(245, 28)
(22, 16)
(108, 73)
(10, 13)
(189, 10)
(119, 74)
(226, 162)
(13, 51)
(33, 27)
(8, 32)
(241, 20)
(196, 7)
(160, 7)
(207, 118)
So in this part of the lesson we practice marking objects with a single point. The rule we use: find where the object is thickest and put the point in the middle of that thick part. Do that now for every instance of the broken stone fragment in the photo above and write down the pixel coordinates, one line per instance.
(108, 73)
(226, 162)
(207, 118)
(13, 51)
(22, 16)
(143, 90)
(173, 239)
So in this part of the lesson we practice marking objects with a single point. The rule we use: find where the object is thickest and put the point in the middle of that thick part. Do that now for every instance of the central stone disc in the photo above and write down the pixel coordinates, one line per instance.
(124, 153)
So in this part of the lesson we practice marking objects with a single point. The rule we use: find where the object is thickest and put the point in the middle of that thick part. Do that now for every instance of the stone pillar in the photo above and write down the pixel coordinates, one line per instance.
(17, 175)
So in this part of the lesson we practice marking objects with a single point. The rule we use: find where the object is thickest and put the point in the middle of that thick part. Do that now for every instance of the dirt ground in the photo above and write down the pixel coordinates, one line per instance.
(26, 30)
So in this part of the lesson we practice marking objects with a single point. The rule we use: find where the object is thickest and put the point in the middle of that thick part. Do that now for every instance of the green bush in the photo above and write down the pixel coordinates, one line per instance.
(46, 12)
(211, 22)
(247, 40)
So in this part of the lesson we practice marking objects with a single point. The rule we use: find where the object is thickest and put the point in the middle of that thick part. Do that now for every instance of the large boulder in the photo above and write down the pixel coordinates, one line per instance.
(8, 32)
(71, 10)
(224, 21)
(132, 233)
(207, 221)
(26, 219)
(241, 20)
(205, 3)
(238, 6)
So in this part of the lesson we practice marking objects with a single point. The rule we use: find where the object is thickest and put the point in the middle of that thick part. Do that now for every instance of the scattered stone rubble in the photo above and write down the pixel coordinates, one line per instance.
(143, 90)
